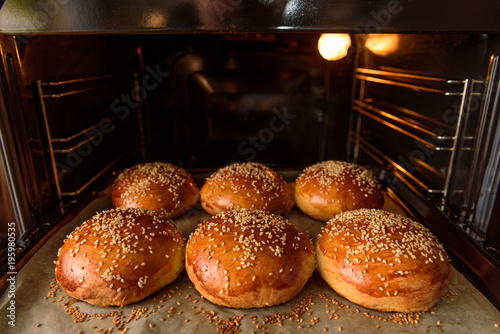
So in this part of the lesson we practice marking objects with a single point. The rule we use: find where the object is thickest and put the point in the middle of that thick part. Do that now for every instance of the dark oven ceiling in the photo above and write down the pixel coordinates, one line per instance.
(354, 16)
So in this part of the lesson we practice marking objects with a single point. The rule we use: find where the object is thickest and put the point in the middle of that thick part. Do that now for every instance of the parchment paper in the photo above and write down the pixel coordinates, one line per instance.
(179, 308)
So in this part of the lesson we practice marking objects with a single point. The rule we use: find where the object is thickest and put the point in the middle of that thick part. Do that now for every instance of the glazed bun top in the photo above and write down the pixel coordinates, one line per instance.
(249, 258)
(382, 260)
(247, 185)
(120, 256)
(331, 187)
(369, 236)
(158, 186)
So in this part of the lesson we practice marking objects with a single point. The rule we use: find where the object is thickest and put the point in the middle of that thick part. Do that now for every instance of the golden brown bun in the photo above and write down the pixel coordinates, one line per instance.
(382, 261)
(247, 185)
(157, 186)
(249, 258)
(331, 187)
(120, 256)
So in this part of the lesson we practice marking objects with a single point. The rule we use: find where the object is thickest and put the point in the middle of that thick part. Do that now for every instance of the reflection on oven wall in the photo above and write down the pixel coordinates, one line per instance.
(255, 98)
(423, 107)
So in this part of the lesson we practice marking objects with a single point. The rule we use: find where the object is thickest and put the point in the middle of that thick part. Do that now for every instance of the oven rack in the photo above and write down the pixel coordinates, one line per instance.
(91, 83)
(463, 151)
(384, 160)
(90, 142)
(416, 82)
(431, 144)
(417, 131)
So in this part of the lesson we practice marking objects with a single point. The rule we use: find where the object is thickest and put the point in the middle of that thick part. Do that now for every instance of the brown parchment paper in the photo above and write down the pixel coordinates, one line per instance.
(179, 308)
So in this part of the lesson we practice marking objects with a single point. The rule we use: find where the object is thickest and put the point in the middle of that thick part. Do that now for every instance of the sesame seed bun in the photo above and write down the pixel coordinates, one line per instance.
(158, 186)
(119, 257)
(247, 185)
(249, 258)
(382, 261)
(331, 187)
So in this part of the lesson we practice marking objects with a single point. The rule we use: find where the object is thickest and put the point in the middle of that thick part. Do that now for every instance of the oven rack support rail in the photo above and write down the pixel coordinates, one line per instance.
(467, 144)
(61, 146)
(465, 154)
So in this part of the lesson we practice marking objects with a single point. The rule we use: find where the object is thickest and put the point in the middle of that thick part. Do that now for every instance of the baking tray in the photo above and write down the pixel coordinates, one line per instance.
(42, 307)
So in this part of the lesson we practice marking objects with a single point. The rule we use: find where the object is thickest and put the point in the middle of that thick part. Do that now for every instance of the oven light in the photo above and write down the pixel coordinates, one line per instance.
(155, 19)
(334, 46)
(382, 44)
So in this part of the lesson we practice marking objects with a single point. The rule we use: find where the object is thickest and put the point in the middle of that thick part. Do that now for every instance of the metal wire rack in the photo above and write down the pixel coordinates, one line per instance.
(94, 141)
(431, 143)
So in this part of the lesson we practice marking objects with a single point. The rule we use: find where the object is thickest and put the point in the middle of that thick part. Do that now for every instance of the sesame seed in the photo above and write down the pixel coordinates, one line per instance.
(254, 180)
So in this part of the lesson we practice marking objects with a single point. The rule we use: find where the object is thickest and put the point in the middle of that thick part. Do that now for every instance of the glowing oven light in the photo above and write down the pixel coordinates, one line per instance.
(382, 44)
(334, 46)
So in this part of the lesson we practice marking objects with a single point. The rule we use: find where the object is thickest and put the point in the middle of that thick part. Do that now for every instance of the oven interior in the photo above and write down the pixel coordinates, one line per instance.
(421, 110)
